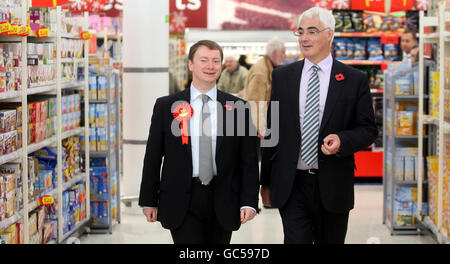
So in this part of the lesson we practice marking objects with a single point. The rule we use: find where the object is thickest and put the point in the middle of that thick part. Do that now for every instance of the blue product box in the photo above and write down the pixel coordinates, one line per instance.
(102, 188)
(103, 213)
(93, 187)
(403, 208)
(98, 171)
(98, 162)
(403, 194)
(94, 211)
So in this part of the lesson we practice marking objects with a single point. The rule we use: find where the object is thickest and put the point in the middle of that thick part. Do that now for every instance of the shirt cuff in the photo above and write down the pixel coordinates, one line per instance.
(243, 207)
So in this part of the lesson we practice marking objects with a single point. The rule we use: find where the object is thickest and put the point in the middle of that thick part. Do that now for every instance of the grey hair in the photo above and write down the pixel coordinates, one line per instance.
(325, 16)
(273, 45)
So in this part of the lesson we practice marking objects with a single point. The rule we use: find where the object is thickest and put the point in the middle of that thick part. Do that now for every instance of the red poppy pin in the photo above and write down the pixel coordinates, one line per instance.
(228, 107)
(339, 77)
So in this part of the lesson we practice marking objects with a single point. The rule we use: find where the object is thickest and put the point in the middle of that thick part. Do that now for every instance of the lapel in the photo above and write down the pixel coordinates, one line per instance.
(335, 88)
(186, 96)
(294, 94)
(221, 102)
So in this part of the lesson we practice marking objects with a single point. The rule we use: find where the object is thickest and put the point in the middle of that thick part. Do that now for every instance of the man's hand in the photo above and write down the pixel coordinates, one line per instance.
(331, 144)
(414, 54)
(240, 94)
(150, 213)
(247, 214)
(265, 195)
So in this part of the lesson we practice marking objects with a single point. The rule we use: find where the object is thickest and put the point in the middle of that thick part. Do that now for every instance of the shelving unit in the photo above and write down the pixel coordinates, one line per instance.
(438, 219)
(103, 222)
(54, 88)
(400, 143)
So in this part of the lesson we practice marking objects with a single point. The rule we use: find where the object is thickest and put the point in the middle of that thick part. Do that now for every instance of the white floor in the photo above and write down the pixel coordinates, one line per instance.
(365, 222)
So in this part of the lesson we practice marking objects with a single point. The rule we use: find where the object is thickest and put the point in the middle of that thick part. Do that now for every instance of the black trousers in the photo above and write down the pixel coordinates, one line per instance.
(305, 220)
(200, 225)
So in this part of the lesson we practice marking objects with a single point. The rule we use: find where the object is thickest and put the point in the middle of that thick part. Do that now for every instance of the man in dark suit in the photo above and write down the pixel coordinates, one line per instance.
(409, 49)
(325, 116)
(208, 185)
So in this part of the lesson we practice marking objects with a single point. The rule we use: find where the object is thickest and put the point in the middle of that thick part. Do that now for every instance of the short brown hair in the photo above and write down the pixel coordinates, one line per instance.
(412, 32)
(207, 43)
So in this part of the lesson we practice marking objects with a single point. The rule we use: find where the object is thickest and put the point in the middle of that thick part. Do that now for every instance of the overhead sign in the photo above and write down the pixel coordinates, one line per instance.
(187, 14)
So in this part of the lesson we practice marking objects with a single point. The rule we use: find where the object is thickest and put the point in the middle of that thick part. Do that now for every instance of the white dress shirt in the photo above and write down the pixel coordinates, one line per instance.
(324, 73)
(194, 127)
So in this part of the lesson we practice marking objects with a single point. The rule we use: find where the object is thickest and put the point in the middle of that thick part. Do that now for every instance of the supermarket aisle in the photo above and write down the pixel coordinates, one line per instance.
(365, 221)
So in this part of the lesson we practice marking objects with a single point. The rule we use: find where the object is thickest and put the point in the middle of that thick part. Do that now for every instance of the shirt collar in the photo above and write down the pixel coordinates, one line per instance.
(196, 93)
(324, 65)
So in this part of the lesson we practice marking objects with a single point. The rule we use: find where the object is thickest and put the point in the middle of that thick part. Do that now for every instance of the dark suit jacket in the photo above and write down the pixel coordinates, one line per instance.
(236, 182)
(348, 113)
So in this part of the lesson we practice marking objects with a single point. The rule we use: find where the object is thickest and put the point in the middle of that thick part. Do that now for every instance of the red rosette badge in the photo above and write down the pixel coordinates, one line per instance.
(183, 112)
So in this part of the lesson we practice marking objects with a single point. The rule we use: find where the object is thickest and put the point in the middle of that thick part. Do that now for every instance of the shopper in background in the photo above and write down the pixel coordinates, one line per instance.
(208, 186)
(259, 81)
(410, 50)
(325, 116)
(232, 79)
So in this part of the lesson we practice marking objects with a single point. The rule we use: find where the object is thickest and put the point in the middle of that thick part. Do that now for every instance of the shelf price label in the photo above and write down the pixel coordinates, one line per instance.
(389, 38)
(43, 32)
(85, 35)
(4, 27)
(13, 30)
(24, 30)
(46, 200)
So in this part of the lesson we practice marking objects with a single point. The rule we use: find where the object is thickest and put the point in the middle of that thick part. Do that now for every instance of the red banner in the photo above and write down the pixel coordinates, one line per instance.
(187, 14)
(109, 8)
(48, 3)
(402, 5)
(369, 5)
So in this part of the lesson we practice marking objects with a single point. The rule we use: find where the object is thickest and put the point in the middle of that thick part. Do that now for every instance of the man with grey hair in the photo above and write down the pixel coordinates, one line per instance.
(233, 77)
(259, 82)
(325, 116)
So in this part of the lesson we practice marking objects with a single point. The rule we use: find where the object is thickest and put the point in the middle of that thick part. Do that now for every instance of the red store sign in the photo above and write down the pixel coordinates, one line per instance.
(188, 13)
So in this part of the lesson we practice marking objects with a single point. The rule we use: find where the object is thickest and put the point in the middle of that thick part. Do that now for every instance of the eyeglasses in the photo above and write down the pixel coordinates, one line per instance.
(312, 32)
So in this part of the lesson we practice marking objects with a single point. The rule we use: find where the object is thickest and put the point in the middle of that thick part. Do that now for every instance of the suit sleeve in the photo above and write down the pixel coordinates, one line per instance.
(267, 153)
(154, 152)
(365, 130)
(249, 167)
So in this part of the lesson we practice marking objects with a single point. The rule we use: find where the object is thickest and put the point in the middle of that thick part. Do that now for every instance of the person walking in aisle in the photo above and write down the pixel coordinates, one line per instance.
(209, 182)
(233, 77)
(259, 81)
(325, 116)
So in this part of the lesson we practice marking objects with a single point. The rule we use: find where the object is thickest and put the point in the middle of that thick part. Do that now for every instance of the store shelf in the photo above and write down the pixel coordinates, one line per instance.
(37, 146)
(54, 191)
(440, 237)
(10, 157)
(9, 221)
(53, 88)
(10, 95)
(363, 62)
(41, 89)
(436, 147)
(431, 120)
(72, 85)
(367, 34)
(74, 132)
(376, 91)
(72, 60)
(75, 228)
